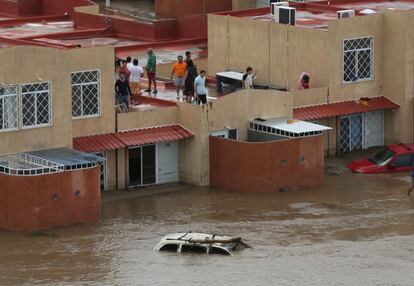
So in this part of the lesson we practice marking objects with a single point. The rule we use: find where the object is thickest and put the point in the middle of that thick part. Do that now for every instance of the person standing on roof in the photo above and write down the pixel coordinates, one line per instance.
(135, 79)
(151, 71)
(129, 62)
(123, 69)
(122, 90)
(188, 56)
(179, 72)
(248, 78)
(189, 81)
(187, 89)
(200, 88)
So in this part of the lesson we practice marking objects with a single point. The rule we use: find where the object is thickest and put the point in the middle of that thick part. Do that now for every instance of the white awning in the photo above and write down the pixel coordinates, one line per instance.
(231, 75)
(287, 127)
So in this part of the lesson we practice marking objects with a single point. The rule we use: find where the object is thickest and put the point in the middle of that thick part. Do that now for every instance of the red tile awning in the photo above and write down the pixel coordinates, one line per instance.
(343, 108)
(97, 143)
(107, 142)
(153, 135)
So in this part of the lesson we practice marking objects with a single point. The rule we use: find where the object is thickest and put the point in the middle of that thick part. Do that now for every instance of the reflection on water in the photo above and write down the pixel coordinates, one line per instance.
(356, 230)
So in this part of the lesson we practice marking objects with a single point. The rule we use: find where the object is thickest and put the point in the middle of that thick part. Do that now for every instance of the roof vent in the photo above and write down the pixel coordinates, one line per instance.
(345, 14)
(285, 15)
(368, 12)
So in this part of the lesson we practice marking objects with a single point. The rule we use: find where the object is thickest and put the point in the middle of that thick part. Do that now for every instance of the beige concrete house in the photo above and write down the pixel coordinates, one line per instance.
(368, 56)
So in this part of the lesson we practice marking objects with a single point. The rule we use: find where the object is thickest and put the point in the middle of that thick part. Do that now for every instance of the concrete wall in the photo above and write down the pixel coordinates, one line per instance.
(218, 44)
(312, 96)
(243, 4)
(330, 136)
(266, 167)
(148, 118)
(232, 111)
(26, 203)
(398, 80)
(35, 63)
(27, 64)
(280, 53)
(91, 9)
(111, 170)
(91, 59)
(354, 27)
(249, 46)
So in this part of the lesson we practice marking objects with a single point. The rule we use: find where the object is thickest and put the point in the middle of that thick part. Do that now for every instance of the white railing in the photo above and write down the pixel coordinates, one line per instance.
(24, 164)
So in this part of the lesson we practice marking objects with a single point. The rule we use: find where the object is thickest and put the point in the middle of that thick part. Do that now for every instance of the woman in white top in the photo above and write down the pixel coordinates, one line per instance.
(135, 78)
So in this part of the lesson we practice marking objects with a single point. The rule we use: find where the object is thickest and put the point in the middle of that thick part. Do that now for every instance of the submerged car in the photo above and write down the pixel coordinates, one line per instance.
(390, 159)
(200, 243)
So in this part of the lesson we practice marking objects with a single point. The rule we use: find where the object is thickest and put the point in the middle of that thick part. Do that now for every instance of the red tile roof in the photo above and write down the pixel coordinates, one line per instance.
(343, 108)
(97, 143)
(107, 142)
(153, 135)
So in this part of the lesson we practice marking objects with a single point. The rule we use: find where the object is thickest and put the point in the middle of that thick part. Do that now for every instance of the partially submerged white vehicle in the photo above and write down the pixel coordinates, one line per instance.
(201, 243)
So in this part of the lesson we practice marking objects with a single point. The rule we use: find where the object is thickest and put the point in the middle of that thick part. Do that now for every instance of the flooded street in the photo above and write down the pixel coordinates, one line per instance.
(355, 230)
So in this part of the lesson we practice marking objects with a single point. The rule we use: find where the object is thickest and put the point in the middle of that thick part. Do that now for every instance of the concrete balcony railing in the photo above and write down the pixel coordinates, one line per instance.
(313, 96)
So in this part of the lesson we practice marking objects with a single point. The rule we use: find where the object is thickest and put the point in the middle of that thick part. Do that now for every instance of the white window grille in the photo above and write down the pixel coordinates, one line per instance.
(358, 59)
(36, 107)
(86, 94)
(9, 107)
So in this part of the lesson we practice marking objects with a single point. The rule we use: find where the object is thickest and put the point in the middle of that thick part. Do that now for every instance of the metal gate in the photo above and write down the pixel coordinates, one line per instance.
(350, 133)
(361, 131)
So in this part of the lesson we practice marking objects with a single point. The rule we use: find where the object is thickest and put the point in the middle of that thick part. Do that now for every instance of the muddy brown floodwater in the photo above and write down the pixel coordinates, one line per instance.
(355, 230)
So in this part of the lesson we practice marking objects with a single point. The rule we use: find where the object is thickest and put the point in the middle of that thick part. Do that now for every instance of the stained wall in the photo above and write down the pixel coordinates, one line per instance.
(266, 167)
(36, 202)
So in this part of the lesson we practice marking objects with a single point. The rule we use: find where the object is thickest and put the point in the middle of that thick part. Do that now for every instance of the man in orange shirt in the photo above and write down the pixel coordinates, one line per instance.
(179, 71)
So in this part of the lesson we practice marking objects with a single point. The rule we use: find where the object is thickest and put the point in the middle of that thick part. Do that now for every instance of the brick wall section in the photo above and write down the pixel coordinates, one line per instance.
(266, 167)
(26, 203)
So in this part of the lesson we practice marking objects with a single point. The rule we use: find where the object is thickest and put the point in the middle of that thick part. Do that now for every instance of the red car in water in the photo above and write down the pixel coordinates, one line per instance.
(390, 159)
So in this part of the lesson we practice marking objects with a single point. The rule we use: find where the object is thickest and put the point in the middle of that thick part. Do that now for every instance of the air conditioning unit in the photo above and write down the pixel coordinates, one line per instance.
(278, 4)
(345, 14)
(285, 15)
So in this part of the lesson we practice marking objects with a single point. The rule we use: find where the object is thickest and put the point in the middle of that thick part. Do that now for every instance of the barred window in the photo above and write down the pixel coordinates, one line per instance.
(86, 94)
(358, 59)
(9, 110)
(36, 109)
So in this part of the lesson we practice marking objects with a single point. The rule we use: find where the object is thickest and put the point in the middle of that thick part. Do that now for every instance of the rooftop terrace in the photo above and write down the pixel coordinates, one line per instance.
(317, 14)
